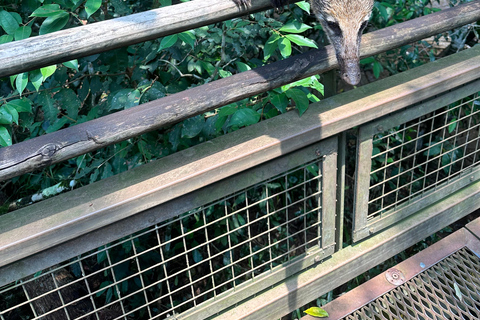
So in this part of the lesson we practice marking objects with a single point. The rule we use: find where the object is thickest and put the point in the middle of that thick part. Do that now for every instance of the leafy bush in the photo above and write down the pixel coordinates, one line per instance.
(51, 98)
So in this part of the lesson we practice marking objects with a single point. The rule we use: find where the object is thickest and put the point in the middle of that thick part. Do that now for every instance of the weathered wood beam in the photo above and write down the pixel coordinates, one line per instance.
(32, 53)
(86, 137)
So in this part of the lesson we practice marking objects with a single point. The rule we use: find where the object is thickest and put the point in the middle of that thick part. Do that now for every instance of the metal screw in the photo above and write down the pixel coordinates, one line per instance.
(472, 178)
(395, 276)
(318, 153)
(380, 128)
(317, 259)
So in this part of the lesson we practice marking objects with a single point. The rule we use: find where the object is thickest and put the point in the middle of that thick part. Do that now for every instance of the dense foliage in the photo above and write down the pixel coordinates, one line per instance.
(42, 101)
(54, 97)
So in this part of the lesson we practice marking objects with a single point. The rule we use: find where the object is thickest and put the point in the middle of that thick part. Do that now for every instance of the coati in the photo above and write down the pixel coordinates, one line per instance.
(343, 22)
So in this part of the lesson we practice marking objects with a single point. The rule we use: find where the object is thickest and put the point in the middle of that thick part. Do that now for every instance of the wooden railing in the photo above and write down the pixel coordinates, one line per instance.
(271, 240)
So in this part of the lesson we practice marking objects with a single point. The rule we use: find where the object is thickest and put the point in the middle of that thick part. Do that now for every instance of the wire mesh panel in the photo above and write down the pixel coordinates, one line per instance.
(447, 290)
(414, 158)
(243, 241)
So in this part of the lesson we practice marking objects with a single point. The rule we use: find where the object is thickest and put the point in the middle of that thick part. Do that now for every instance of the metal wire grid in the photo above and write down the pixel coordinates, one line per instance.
(448, 290)
(419, 156)
(180, 263)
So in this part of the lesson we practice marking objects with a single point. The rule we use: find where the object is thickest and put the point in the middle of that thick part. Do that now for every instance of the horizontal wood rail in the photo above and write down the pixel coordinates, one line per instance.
(32, 53)
(30, 230)
(86, 137)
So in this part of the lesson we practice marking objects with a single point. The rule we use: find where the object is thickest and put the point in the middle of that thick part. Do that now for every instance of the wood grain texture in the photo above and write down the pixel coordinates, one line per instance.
(86, 137)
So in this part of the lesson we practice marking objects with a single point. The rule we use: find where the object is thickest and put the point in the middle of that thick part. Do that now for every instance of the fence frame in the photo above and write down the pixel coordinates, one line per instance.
(143, 196)
(362, 227)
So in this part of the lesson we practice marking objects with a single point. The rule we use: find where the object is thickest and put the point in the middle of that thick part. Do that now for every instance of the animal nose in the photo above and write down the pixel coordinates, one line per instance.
(351, 74)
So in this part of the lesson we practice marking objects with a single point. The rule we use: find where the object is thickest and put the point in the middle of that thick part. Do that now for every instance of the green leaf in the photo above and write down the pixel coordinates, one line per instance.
(304, 5)
(377, 69)
(301, 40)
(383, 11)
(242, 66)
(279, 101)
(197, 256)
(47, 10)
(244, 117)
(433, 150)
(8, 22)
(317, 312)
(92, 6)
(48, 106)
(5, 138)
(6, 38)
(5, 116)
(270, 46)
(293, 27)
(13, 112)
(452, 125)
(174, 136)
(21, 105)
(57, 125)
(21, 82)
(285, 47)
(23, 33)
(12, 80)
(72, 64)
(192, 127)
(48, 71)
(69, 101)
(227, 110)
(36, 78)
(300, 98)
(188, 37)
(125, 99)
(367, 60)
(168, 41)
(54, 23)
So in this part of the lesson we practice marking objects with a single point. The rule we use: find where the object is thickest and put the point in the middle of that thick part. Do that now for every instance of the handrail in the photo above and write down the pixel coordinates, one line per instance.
(86, 137)
(57, 220)
(32, 53)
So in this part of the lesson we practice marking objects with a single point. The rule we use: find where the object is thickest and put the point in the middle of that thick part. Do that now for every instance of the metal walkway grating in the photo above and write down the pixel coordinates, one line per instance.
(441, 282)
(448, 290)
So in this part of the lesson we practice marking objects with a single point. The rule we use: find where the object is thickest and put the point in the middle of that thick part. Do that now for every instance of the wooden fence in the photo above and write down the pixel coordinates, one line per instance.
(255, 216)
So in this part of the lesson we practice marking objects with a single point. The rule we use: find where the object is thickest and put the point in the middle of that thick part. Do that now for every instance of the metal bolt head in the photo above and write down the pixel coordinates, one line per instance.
(318, 153)
(395, 276)
(472, 178)
(380, 128)
(317, 259)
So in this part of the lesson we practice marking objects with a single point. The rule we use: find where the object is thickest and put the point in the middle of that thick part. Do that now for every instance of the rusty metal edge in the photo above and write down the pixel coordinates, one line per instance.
(374, 288)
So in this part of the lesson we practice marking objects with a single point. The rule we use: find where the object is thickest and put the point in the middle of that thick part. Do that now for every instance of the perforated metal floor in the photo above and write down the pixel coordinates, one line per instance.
(441, 282)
